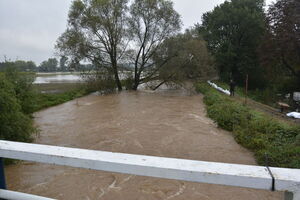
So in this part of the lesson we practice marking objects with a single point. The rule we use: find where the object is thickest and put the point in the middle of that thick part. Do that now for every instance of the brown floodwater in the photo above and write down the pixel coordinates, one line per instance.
(168, 124)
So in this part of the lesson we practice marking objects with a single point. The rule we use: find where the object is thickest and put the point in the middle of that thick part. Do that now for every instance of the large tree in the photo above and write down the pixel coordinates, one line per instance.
(233, 31)
(96, 32)
(280, 51)
(111, 33)
(150, 23)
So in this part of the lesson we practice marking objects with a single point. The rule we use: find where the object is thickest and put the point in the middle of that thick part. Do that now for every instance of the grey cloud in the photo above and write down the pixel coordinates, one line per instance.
(29, 28)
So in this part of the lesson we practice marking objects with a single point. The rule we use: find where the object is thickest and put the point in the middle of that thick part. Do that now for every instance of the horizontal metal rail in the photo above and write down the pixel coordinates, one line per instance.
(11, 195)
(246, 176)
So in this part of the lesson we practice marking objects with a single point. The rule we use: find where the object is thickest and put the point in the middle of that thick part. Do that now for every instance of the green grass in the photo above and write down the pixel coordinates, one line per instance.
(53, 99)
(57, 87)
(266, 96)
(254, 130)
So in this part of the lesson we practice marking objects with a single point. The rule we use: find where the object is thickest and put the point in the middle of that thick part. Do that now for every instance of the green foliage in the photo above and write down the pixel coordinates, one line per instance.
(107, 32)
(23, 87)
(188, 56)
(255, 131)
(128, 82)
(297, 141)
(280, 52)
(99, 81)
(20, 65)
(14, 124)
(48, 100)
(233, 32)
(50, 65)
(266, 96)
(232, 114)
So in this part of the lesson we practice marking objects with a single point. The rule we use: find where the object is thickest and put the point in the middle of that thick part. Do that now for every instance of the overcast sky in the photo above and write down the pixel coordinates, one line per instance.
(29, 28)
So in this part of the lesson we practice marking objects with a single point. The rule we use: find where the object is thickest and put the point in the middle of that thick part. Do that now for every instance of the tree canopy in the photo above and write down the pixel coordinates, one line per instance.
(49, 65)
(151, 22)
(233, 31)
(23, 66)
(189, 59)
(96, 32)
(109, 33)
(280, 51)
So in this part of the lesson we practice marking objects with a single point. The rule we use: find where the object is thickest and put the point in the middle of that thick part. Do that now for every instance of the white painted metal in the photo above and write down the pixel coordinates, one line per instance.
(11, 195)
(187, 170)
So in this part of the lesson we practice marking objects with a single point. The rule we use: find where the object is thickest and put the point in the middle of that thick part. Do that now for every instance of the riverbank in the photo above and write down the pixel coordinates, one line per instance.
(47, 95)
(260, 133)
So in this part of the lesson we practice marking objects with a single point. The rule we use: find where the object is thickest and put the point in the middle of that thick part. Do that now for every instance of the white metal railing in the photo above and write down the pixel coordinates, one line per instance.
(257, 177)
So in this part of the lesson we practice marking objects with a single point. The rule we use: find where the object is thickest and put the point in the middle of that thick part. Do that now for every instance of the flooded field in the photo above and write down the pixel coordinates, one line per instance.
(168, 124)
(47, 78)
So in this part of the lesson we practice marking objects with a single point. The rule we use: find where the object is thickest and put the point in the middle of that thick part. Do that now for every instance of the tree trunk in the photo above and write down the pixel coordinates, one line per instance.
(117, 79)
(136, 83)
(118, 82)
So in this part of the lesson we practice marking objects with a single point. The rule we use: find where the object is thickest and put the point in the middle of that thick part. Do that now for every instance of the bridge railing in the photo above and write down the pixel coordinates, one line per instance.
(257, 177)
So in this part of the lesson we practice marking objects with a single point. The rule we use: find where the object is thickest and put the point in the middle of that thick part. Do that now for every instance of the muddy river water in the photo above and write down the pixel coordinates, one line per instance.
(168, 124)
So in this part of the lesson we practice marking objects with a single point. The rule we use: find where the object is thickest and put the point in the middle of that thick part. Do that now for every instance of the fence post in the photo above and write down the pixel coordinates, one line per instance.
(2, 175)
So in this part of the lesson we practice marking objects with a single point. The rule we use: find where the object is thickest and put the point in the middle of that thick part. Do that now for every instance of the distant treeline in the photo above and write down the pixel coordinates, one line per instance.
(50, 65)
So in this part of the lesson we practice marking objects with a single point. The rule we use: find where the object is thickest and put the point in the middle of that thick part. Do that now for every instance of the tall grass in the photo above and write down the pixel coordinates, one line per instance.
(256, 131)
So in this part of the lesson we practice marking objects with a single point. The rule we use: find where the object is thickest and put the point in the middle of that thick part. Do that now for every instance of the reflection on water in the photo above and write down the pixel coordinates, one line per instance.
(70, 78)
(166, 124)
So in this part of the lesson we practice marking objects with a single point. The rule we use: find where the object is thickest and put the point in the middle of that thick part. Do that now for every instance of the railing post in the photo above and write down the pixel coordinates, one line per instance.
(2, 175)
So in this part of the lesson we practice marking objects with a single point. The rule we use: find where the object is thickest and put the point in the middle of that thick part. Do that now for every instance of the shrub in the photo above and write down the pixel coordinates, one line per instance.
(227, 114)
(14, 124)
(254, 130)
(99, 81)
(48, 100)
(23, 86)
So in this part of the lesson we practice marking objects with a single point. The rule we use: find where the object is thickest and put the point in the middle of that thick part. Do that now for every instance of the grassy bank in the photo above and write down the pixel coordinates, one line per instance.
(254, 130)
(266, 96)
(48, 95)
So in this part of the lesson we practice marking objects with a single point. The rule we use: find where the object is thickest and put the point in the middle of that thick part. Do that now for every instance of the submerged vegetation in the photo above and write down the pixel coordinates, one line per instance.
(47, 100)
(265, 136)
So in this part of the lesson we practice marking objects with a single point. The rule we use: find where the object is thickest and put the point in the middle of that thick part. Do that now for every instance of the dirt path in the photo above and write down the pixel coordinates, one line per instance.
(167, 124)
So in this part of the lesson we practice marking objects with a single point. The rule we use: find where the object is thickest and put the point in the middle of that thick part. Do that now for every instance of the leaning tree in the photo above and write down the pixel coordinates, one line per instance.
(189, 59)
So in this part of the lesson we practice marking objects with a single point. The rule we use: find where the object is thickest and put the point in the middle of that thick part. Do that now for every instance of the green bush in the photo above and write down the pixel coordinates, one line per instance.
(227, 114)
(14, 124)
(297, 141)
(254, 130)
(48, 100)
(23, 86)
(99, 81)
